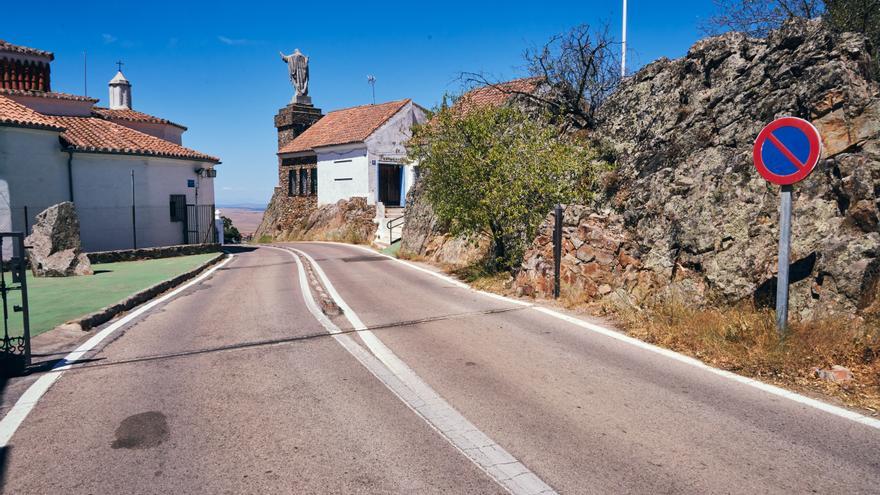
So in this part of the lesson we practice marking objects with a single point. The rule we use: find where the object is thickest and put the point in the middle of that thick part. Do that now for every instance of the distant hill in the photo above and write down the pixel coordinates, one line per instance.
(245, 219)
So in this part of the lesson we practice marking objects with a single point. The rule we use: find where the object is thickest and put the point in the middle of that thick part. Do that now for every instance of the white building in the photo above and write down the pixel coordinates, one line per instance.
(355, 152)
(132, 181)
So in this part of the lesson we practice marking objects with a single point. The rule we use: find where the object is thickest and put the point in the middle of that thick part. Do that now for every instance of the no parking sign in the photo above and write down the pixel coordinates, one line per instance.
(785, 152)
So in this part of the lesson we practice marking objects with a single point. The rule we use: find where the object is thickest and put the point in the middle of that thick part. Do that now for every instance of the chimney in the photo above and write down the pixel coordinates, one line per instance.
(120, 93)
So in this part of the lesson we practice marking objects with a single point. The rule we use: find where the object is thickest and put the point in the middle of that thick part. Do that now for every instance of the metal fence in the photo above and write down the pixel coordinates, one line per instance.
(199, 225)
(109, 228)
(15, 348)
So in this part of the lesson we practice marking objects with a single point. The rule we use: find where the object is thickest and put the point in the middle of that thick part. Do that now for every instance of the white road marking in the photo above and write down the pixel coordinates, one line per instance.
(490, 457)
(771, 389)
(23, 406)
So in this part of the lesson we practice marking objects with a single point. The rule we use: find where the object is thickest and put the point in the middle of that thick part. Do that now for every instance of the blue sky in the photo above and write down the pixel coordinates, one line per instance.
(214, 66)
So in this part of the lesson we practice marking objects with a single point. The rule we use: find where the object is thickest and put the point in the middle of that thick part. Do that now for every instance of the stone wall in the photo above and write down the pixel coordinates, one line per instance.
(285, 210)
(152, 253)
(686, 202)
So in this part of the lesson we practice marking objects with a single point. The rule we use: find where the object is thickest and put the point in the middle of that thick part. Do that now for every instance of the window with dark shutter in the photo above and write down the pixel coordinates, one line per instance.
(303, 182)
(291, 182)
(314, 181)
(178, 207)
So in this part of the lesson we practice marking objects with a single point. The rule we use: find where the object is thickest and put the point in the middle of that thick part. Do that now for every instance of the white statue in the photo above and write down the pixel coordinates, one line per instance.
(298, 68)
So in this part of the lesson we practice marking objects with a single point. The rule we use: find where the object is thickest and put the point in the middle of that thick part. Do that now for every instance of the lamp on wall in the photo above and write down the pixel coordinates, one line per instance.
(206, 172)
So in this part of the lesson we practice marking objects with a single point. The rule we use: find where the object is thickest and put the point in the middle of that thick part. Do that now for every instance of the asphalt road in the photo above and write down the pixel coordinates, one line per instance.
(234, 387)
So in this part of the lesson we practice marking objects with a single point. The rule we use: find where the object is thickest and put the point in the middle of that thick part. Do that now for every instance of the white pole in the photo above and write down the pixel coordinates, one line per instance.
(623, 52)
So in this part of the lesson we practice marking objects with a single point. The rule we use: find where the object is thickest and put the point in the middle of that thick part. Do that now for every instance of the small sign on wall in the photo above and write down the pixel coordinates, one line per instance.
(190, 183)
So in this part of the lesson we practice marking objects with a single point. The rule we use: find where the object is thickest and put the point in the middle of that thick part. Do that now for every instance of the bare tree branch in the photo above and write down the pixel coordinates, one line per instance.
(580, 69)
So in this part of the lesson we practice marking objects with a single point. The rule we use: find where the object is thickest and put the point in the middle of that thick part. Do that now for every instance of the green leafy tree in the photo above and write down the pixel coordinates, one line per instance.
(230, 233)
(498, 171)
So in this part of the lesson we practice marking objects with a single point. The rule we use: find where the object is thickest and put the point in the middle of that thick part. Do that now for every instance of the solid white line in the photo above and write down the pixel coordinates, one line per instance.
(23, 406)
(490, 457)
(771, 389)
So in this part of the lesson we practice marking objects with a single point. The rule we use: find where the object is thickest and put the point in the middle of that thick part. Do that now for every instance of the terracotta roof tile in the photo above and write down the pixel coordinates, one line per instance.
(498, 94)
(45, 94)
(349, 125)
(16, 114)
(6, 46)
(131, 116)
(99, 135)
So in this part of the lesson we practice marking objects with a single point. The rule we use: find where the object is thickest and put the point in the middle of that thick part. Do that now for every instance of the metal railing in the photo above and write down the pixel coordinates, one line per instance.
(392, 224)
(15, 348)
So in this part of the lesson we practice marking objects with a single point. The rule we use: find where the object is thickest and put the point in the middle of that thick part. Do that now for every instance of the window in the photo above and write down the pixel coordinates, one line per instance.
(291, 182)
(314, 181)
(303, 181)
(178, 207)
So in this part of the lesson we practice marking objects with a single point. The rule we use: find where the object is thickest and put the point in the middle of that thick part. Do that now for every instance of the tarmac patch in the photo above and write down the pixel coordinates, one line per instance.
(141, 431)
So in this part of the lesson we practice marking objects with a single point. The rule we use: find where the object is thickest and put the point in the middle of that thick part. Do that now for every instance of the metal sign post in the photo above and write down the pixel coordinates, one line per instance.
(557, 249)
(785, 152)
(784, 255)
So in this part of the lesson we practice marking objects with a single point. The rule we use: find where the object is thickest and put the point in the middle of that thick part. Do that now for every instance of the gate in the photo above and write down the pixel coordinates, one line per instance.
(15, 349)
(198, 225)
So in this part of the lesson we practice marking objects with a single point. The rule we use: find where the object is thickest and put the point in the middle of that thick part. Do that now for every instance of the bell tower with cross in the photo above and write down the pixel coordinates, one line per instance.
(120, 90)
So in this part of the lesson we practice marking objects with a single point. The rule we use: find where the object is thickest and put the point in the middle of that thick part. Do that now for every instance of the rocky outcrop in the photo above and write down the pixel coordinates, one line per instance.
(282, 213)
(424, 238)
(54, 247)
(298, 218)
(686, 203)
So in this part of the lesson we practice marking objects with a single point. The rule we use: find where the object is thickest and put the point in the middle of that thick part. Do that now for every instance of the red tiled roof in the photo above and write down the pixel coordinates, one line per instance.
(16, 114)
(6, 46)
(349, 125)
(45, 94)
(497, 94)
(98, 135)
(131, 116)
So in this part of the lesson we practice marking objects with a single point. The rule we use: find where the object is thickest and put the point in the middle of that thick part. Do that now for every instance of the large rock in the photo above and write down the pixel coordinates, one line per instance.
(54, 247)
(423, 236)
(298, 218)
(687, 203)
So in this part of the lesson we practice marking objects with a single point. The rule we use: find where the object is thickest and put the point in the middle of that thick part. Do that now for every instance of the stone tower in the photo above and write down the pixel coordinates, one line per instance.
(120, 92)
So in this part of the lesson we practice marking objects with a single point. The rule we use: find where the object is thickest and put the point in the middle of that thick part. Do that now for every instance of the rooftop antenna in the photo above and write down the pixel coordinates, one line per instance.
(85, 74)
(623, 49)
(372, 82)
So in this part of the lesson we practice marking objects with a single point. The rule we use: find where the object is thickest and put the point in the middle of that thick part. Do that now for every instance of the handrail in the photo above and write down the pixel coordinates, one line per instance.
(391, 224)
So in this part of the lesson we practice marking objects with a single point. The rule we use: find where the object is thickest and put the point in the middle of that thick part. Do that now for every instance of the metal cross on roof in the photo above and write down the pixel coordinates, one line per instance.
(119, 64)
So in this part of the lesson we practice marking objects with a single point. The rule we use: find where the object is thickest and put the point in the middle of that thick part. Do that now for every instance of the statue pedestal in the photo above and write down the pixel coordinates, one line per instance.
(294, 119)
(301, 100)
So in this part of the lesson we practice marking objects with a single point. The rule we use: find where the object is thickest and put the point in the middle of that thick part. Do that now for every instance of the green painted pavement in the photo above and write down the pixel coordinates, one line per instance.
(54, 301)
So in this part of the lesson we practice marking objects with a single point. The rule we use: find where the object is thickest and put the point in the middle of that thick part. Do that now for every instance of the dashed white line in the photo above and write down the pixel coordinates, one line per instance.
(490, 457)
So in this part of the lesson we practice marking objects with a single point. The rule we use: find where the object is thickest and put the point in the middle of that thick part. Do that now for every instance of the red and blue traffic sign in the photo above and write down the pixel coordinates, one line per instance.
(787, 150)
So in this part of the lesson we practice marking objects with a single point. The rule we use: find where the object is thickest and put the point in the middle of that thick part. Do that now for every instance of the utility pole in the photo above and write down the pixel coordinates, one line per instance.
(372, 82)
(134, 237)
(85, 74)
(623, 49)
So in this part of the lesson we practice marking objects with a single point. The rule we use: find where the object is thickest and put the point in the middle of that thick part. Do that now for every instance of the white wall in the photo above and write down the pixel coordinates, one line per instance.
(55, 106)
(344, 173)
(388, 145)
(35, 170)
(102, 194)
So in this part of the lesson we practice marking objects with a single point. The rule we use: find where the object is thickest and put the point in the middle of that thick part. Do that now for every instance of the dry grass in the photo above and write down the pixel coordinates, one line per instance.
(744, 340)
(481, 278)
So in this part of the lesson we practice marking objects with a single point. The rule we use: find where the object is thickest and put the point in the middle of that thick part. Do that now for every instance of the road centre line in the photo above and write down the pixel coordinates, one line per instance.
(487, 455)
(26, 403)
(607, 332)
